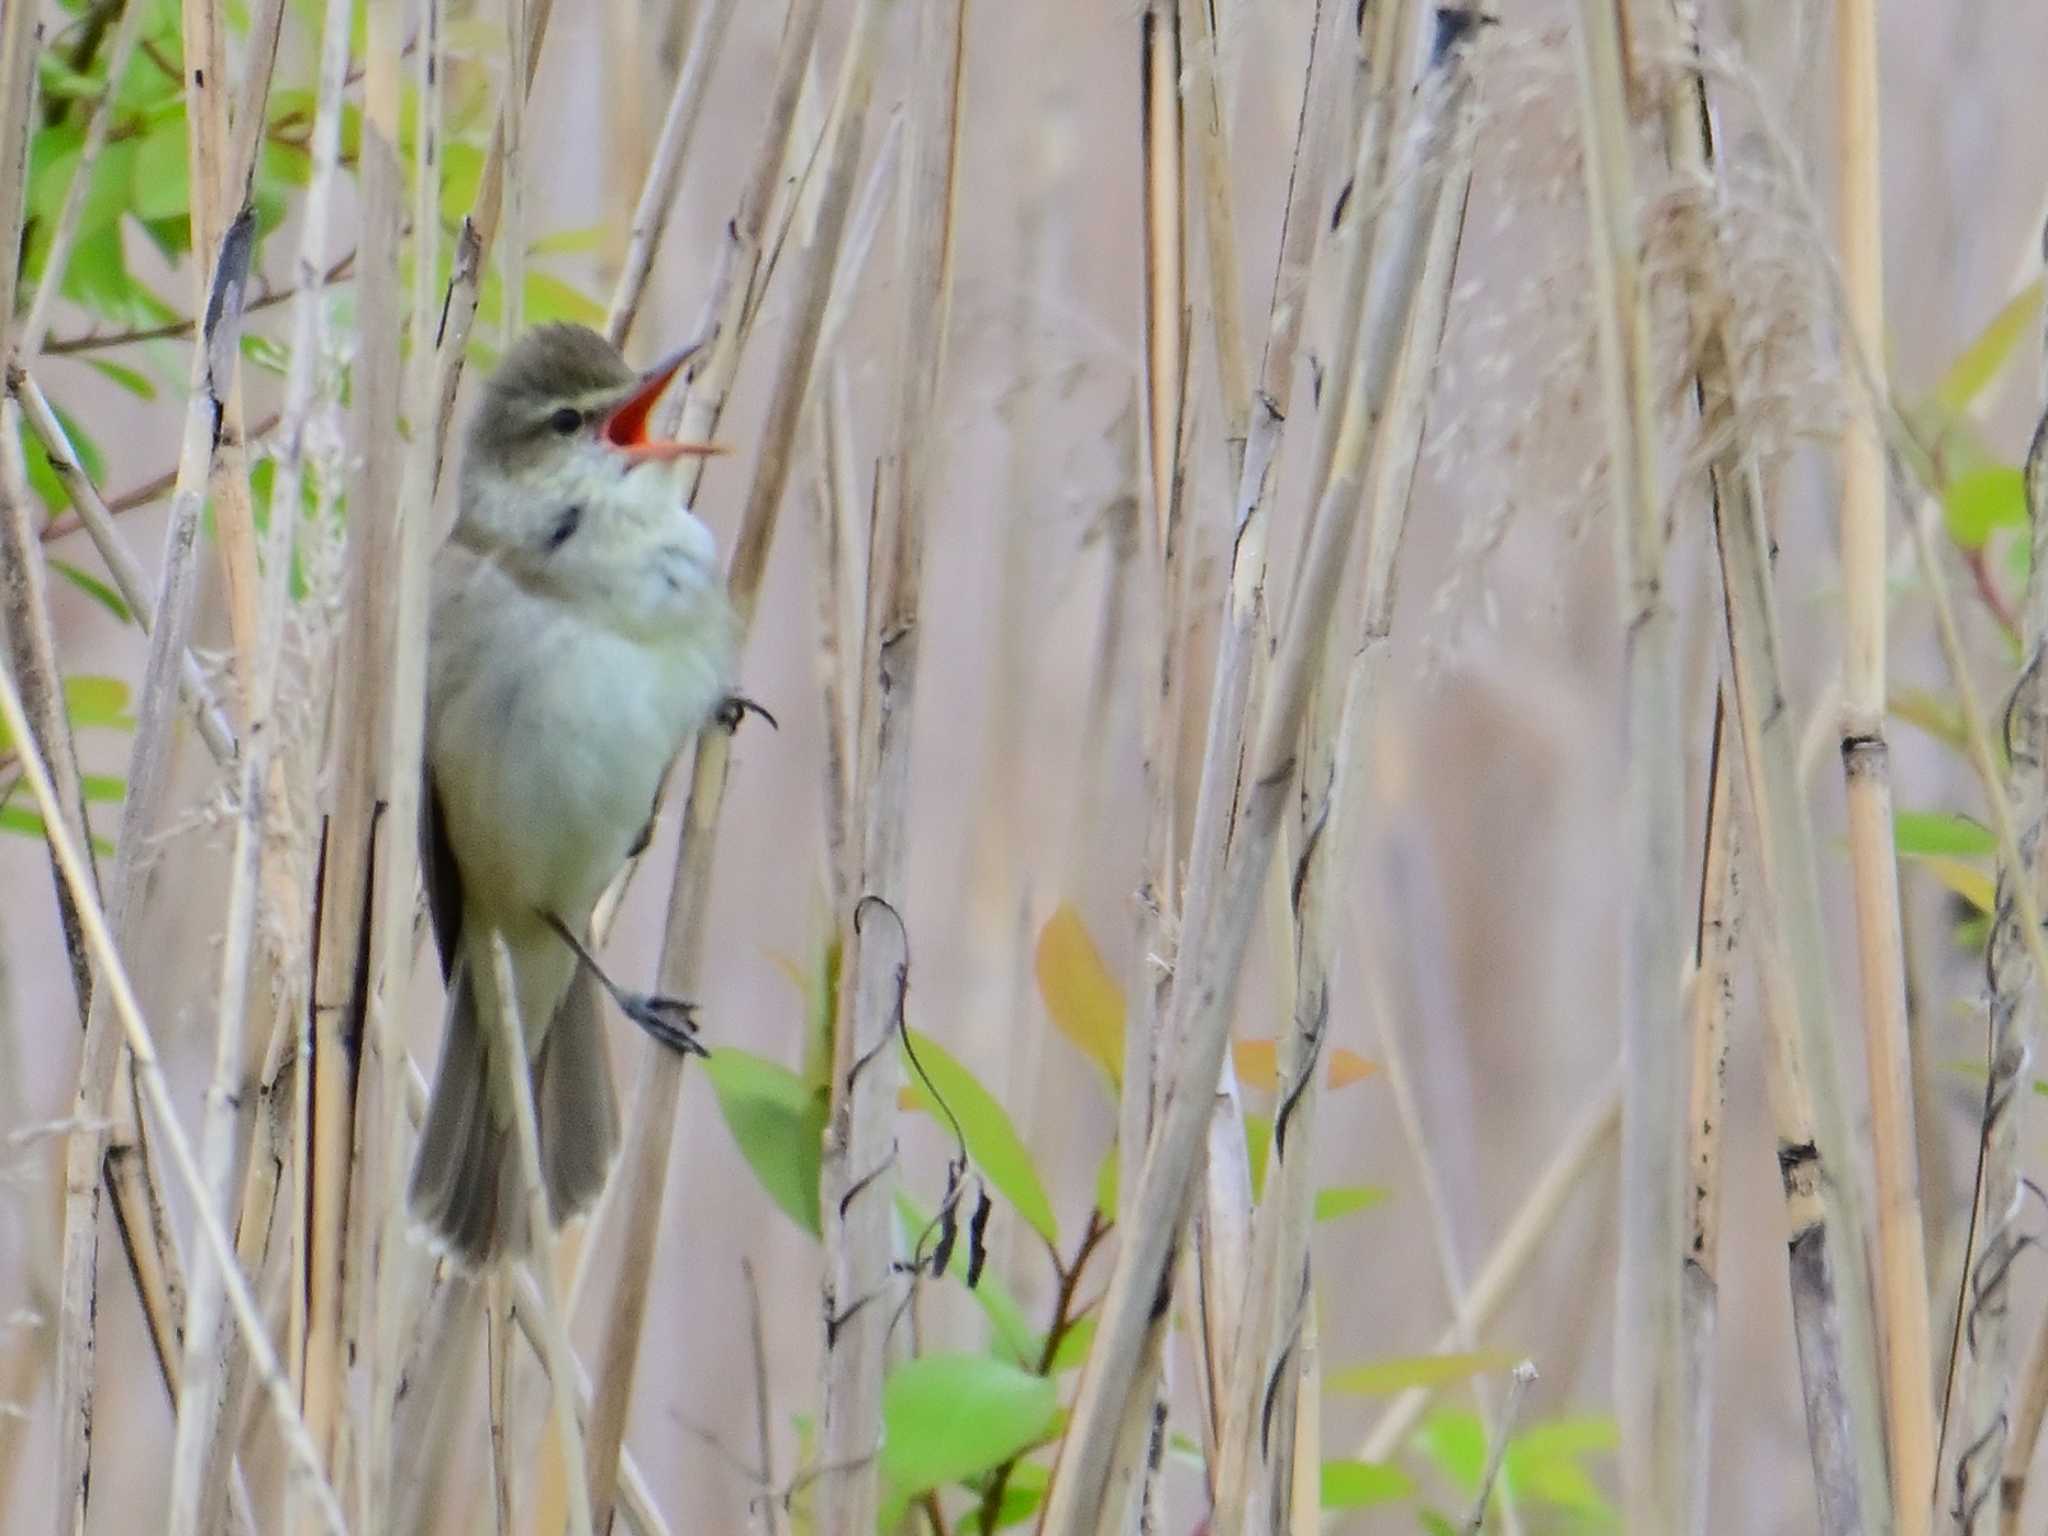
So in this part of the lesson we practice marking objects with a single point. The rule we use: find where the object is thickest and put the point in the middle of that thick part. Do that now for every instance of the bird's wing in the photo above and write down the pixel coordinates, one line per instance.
(442, 875)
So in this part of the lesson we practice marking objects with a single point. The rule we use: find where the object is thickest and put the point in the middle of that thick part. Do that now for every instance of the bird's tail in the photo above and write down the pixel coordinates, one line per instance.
(466, 1188)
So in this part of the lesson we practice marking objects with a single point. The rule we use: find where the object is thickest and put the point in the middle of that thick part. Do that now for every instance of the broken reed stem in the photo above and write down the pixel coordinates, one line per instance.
(1901, 1257)
(1649, 1371)
(115, 988)
(859, 1155)
(1710, 1002)
(1534, 1221)
(665, 172)
(1204, 992)
(650, 1131)
(1497, 1448)
(2030, 764)
(87, 1153)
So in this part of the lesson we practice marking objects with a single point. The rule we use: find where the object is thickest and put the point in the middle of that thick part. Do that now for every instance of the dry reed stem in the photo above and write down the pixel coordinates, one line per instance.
(121, 563)
(665, 171)
(1202, 997)
(839, 575)
(638, 1185)
(2030, 763)
(1534, 1221)
(498, 1353)
(1830, 1288)
(512, 130)
(1260, 1416)
(1710, 1001)
(1649, 1371)
(1223, 1228)
(24, 595)
(35, 326)
(114, 986)
(1165, 383)
(90, 1154)
(203, 32)
(1497, 1446)
(518, 1085)
(860, 1141)
(1901, 1256)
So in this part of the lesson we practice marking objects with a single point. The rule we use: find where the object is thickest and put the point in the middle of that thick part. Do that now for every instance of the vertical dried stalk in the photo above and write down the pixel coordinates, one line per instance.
(1649, 1375)
(1202, 997)
(860, 1142)
(1165, 245)
(204, 1434)
(650, 1130)
(1709, 1004)
(119, 998)
(1219, 224)
(24, 596)
(99, 1072)
(1259, 1450)
(517, 1085)
(512, 126)
(1901, 1258)
(671, 151)
(2009, 1057)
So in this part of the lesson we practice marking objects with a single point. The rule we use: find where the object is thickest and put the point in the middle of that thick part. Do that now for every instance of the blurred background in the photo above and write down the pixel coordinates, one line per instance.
(1482, 913)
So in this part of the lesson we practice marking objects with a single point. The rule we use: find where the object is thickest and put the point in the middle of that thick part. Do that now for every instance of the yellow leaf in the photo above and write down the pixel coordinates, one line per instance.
(1084, 1000)
(1966, 880)
(1258, 1065)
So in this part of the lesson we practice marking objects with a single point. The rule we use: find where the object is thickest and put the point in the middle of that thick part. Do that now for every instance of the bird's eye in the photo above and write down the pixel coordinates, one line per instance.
(567, 420)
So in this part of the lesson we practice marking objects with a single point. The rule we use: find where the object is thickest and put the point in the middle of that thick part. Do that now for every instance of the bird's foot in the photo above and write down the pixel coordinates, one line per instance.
(736, 707)
(671, 1021)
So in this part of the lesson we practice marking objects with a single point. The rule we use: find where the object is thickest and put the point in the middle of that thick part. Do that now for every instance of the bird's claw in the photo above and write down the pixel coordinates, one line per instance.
(669, 1020)
(736, 707)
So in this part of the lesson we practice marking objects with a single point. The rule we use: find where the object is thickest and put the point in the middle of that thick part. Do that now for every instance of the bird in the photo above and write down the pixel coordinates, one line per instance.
(579, 635)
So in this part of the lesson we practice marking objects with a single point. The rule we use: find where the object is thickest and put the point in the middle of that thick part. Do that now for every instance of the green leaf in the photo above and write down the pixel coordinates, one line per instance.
(1072, 1348)
(160, 185)
(27, 823)
(779, 1125)
(1106, 1174)
(1344, 1199)
(1456, 1441)
(95, 700)
(102, 788)
(952, 1416)
(1983, 500)
(1917, 833)
(1358, 1484)
(1022, 1494)
(93, 588)
(992, 1141)
(571, 242)
(1398, 1373)
(134, 380)
(1545, 1463)
(1939, 717)
(1084, 1000)
(1966, 880)
(549, 298)
(1980, 363)
(1258, 1145)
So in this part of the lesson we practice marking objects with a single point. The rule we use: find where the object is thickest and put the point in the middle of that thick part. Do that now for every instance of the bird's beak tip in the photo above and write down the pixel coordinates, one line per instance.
(626, 428)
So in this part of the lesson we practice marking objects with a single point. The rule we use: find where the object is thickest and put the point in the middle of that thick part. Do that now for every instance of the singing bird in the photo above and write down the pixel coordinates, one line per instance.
(579, 636)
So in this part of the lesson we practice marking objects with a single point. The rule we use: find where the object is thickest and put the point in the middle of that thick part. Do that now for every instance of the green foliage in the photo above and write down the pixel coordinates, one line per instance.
(1983, 501)
(1380, 1378)
(992, 1140)
(950, 1417)
(1361, 1484)
(1084, 1000)
(1343, 1200)
(1922, 833)
(1545, 1464)
(778, 1122)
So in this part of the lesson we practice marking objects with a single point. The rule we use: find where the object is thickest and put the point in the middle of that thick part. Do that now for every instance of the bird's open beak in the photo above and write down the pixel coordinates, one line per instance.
(626, 427)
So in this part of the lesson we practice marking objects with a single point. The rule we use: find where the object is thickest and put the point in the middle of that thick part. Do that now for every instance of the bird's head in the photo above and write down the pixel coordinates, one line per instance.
(561, 467)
